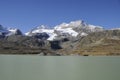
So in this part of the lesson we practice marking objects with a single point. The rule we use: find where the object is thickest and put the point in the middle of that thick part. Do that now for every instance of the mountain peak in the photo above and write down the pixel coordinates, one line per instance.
(72, 24)
(41, 27)
(77, 23)
(2, 28)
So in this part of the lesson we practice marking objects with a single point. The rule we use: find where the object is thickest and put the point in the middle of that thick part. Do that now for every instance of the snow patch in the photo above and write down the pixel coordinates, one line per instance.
(12, 30)
(52, 37)
(69, 31)
(84, 34)
(115, 29)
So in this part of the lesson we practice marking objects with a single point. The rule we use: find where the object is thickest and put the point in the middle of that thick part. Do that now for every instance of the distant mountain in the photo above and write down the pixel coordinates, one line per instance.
(46, 33)
(9, 31)
(14, 31)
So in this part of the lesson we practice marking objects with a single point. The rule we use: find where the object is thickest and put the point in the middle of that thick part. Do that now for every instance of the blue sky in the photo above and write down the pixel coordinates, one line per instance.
(26, 14)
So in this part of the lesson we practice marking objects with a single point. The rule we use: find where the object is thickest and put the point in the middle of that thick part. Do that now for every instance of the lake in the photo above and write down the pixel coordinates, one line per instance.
(21, 67)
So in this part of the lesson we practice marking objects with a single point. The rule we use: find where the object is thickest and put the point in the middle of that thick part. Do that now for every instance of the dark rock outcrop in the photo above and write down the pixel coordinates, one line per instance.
(18, 32)
(43, 36)
(55, 45)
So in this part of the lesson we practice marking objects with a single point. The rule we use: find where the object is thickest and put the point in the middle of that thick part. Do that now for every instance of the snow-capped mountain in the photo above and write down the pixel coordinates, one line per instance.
(9, 31)
(77, 27)
(13, 31)
(66, 29)
(42, 29)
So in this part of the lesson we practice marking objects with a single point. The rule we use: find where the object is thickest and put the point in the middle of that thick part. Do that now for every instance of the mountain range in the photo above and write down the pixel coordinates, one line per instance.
(71, 29)
(74, 38)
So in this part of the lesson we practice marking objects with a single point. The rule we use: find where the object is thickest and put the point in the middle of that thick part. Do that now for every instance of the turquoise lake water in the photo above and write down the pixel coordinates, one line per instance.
(21, 67)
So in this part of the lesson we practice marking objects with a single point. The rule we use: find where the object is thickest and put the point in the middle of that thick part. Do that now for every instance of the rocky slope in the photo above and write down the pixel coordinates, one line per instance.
(98, 43)
(18, 44)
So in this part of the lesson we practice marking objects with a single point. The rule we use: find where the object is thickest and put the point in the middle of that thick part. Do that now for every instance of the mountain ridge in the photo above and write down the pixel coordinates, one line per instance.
(66, 29)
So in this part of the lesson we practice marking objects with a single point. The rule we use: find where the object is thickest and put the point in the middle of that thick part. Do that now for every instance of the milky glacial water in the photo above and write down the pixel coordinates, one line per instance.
(21, 67)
